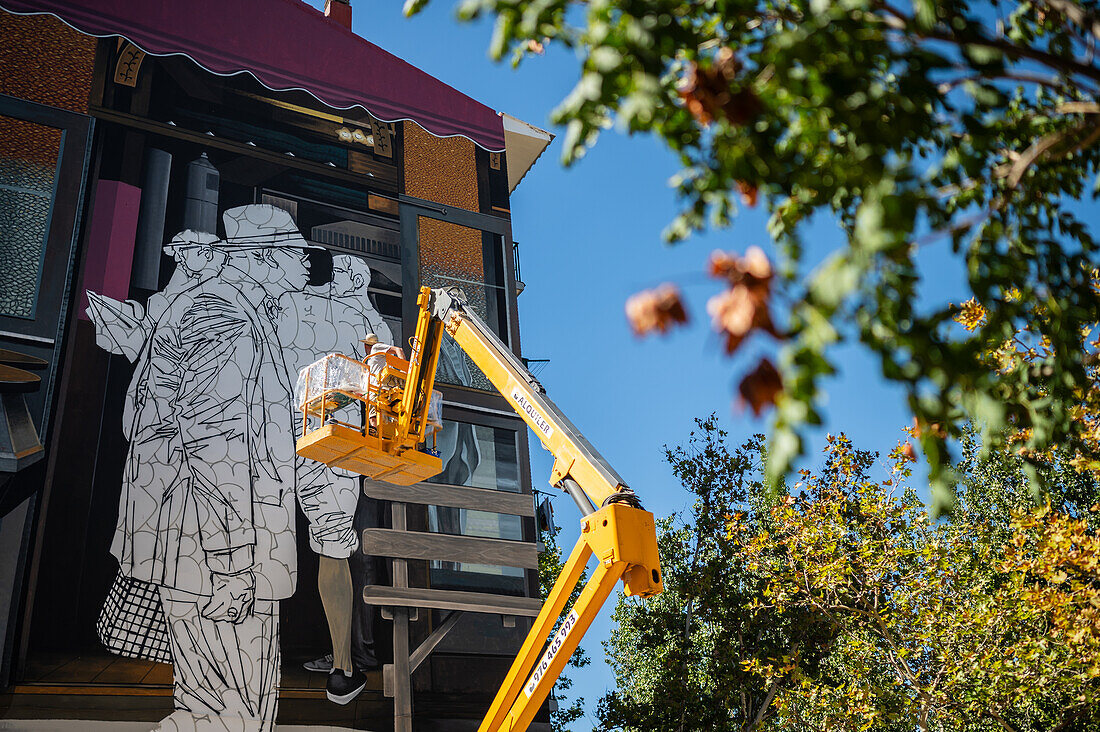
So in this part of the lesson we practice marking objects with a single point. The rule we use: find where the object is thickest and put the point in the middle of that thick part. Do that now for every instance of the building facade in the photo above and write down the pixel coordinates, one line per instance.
(120, 128)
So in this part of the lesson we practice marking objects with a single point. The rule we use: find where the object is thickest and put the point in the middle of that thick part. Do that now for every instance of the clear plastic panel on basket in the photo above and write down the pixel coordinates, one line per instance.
(435, 414)
(333, 372)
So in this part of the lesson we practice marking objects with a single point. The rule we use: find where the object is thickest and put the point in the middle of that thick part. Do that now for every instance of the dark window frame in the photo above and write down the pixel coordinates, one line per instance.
(64, 207)
(46, 328)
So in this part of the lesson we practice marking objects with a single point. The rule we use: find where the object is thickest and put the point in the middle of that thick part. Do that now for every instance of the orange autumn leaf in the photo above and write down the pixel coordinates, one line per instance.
(749, 193)
(734, 311)
(971, 315)
(745, 306)
(721, 263)
(655, 310)
(754, 268)
(738, 311)
(706, 92)
(934, 429)
(760, 387)
(699, 97)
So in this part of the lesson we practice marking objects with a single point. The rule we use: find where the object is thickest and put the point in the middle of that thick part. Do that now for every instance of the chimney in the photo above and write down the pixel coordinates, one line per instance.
(340, 11)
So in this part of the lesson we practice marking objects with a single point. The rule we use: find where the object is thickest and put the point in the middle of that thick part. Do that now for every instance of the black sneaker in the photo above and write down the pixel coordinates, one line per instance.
(343, 687)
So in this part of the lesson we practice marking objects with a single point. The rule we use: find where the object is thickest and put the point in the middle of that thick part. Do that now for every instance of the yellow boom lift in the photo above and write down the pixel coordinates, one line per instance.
(391, 446)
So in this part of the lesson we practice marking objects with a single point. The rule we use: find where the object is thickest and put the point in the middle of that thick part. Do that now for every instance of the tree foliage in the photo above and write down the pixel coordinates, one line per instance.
(866, 613)
(966, 632)
(1024, 353)
(935, 123)
(679, 658)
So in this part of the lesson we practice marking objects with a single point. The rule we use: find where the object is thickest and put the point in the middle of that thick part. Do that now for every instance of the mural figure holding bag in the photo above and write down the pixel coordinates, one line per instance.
(205, 537)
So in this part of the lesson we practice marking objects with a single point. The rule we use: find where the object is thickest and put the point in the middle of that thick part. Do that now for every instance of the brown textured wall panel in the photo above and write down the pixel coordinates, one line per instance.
(43, 60)
(451, 250)
(444, 170)
(27, 142)
(440, 169)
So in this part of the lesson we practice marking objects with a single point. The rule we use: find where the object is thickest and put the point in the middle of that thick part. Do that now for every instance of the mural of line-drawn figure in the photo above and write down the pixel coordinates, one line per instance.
(335, 318)
(344, 305)
(237, 665)
(132, 622)
(122, 327)
(206, 516)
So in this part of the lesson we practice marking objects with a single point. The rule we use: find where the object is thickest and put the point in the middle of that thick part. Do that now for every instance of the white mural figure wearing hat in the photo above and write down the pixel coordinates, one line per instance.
(156, 503)
(205, 537)
(237, 442)
(207, 513)
(122, 327)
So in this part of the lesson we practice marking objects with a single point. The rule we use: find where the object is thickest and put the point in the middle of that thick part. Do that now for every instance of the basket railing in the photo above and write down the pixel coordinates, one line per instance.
(380, 401)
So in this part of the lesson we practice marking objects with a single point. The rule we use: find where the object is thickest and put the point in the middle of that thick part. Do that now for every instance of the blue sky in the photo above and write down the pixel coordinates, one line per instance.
(589, 238)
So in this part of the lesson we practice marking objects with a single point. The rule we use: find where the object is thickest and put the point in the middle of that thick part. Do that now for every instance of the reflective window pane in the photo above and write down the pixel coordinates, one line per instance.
(473, 261)
(478, 456)
(28, 171)
(483, 457)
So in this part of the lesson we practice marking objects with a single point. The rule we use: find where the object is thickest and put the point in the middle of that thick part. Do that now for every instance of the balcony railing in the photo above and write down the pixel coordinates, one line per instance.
(515, 262)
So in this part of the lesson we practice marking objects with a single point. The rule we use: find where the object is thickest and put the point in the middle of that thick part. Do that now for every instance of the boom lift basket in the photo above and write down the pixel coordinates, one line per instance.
(350, 419)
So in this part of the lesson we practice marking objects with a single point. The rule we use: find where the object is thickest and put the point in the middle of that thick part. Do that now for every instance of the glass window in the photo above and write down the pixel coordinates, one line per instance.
(478, 456)
(28, 171)
(482, 457)
(473, 261)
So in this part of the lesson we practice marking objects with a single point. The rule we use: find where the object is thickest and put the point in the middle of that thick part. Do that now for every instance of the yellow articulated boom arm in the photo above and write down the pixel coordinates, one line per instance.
(615, 529)
(395, 397)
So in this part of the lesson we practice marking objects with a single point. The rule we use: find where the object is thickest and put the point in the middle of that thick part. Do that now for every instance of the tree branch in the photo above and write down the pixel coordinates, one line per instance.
(1091, 138)
(899, 21)
(1076, 14)
(1078, 108)
(1040, 147)
(773, 688)
(1066, 720)
(895, 653)
(1033, 153)
(1004, 725)
(964, 225)
(1051, 82)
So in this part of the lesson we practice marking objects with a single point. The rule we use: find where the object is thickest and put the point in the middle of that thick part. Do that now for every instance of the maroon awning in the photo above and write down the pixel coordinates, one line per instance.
(285, 44)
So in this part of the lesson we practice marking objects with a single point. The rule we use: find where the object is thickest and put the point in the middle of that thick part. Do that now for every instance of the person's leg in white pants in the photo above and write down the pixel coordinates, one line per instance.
(226, 675)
